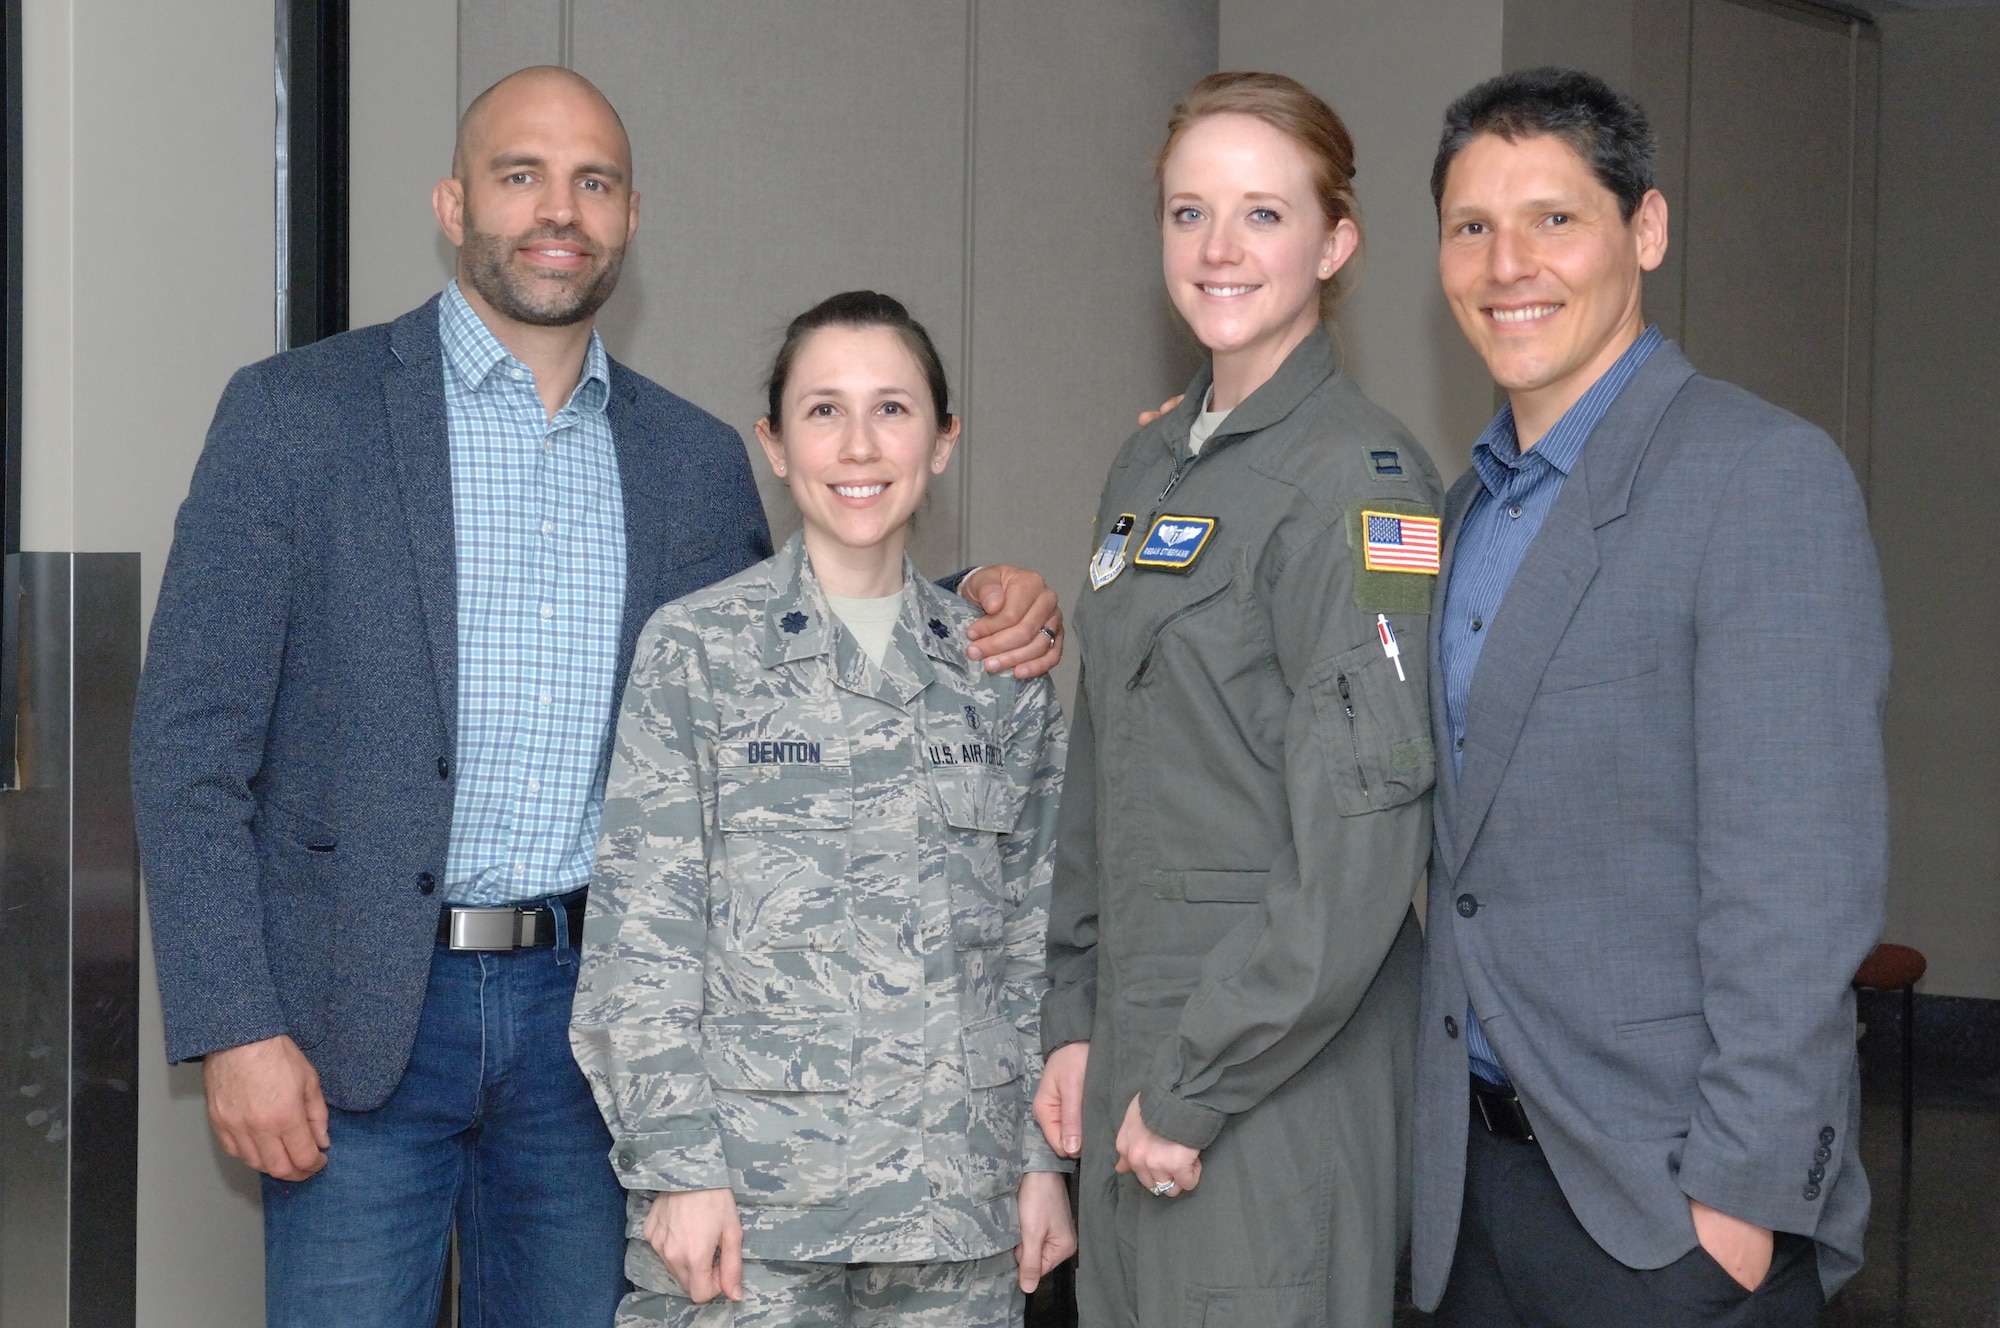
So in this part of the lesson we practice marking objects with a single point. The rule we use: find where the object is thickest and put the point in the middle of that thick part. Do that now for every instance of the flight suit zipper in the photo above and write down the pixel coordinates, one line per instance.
(1353, 737)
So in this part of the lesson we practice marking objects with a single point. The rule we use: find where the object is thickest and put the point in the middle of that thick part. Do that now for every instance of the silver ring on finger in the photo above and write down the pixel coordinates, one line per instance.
(1165, 1188)
(1049, 632)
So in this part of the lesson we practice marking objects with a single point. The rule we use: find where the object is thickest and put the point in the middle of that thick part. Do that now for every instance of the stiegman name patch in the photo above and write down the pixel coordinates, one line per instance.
(1174, 542)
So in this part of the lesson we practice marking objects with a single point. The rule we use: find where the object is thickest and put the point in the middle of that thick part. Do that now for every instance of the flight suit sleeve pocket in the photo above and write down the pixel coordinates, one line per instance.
(1375, 728)
(780, 1090)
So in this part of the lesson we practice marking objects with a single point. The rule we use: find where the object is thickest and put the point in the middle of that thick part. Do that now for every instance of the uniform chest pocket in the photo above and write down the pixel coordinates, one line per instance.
(784, 847)
(1376, 731)
(979, 804)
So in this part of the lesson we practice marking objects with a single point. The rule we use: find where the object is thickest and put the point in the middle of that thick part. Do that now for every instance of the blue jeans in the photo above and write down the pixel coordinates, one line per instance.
(492, 1123)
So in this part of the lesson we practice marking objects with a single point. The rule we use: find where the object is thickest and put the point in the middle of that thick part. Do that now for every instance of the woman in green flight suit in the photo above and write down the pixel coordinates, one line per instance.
(1232, 946)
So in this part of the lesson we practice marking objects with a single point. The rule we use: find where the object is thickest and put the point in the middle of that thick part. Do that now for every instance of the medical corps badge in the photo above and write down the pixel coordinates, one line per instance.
(1109, 560)
(1174, 542)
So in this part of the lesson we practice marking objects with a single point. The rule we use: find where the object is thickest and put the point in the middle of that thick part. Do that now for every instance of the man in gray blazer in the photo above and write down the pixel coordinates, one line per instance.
(1660, 669)
(369, 752)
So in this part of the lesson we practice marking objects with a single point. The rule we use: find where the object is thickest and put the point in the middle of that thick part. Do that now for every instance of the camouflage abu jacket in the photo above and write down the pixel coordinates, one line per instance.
(814, 956)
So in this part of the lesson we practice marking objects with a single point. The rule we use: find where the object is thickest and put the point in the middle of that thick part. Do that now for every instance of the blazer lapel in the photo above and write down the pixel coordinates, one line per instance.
(1545, 592)
(413, 394)
(640, 457)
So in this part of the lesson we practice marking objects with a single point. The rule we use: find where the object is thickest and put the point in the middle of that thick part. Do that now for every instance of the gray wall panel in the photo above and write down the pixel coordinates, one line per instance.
(1935, 487)
(1071, 329)
(784, 152)
(1766, 236)
(496, 37)
(1390, 68)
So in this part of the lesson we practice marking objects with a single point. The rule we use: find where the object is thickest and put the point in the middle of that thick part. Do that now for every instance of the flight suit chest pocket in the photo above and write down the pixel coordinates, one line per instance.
(784, 809)
(1376, 731)
(979, 804)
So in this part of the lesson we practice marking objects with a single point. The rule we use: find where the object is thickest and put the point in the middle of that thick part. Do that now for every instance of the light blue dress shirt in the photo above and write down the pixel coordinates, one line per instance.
(539, 522)
(1517, 490)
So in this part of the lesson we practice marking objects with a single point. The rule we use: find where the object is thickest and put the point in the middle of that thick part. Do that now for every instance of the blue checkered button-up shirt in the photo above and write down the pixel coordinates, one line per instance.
(540, 526)
(1517, 489)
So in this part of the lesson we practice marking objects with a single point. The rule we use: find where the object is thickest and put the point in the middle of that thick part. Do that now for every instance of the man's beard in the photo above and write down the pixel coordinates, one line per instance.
(487, 260)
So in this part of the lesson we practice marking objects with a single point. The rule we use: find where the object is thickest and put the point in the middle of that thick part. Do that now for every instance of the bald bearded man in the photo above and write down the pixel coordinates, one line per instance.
(369, 751)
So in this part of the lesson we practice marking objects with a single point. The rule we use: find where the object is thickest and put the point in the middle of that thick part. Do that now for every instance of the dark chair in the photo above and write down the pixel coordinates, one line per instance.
(1897, 968)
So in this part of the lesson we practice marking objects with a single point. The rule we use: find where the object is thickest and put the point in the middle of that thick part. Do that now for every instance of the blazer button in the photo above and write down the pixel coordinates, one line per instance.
(1822, 1154)
(1816, 1175)
(1826, 1134)
(1450, 1027)
(1811, 1191)
(1467, 906)
(444, 768)
(426, 883)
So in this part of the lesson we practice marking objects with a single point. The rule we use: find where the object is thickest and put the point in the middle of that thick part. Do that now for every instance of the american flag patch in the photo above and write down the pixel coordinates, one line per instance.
(1400, 543)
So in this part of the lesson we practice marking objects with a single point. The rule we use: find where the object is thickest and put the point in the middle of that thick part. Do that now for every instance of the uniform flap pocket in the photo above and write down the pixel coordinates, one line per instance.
(778, 1056)
(978, 798)
(1212, 887)
(783, 785)
(1375, 727)
(992, 1053)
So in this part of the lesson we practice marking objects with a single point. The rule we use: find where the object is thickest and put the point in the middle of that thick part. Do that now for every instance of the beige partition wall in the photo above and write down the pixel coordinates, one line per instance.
(990, 164)
(1390, 68)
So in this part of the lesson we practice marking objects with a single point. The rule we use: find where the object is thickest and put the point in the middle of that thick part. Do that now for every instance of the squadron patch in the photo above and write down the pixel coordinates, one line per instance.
(1109, 560)
(1174, 542)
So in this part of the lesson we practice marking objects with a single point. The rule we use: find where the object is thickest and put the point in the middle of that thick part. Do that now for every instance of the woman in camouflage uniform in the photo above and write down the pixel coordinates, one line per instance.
(810, 991)
(1232, 1020)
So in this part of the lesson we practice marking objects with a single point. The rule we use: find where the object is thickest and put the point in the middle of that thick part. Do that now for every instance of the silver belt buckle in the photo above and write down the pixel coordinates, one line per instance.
(490, 928)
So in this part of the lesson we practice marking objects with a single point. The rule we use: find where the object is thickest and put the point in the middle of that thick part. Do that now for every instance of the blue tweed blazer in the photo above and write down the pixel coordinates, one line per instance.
(296, 728)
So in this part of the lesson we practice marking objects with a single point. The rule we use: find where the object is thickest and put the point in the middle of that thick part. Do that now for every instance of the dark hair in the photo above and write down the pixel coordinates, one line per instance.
(1292, 109)
(860, 308)
(1606, 128)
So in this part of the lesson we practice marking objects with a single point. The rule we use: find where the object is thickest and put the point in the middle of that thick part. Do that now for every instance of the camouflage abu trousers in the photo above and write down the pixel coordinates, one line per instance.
(968, 1293)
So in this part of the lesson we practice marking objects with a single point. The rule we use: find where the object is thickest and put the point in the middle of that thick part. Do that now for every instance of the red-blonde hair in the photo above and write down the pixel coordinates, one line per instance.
(1289, 107)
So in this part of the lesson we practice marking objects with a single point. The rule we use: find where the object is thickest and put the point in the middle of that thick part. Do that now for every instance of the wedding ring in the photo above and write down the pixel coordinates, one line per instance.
(1164, 1188)
(1049, 634)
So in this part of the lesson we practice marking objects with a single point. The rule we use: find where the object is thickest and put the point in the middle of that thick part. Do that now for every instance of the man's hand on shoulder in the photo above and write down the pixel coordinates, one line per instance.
(1023, 626)
(265, 1107)
(1742, 1248)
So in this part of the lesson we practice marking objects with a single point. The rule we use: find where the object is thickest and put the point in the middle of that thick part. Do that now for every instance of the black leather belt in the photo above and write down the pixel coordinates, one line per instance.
(530, 928)
(1498, 1107)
